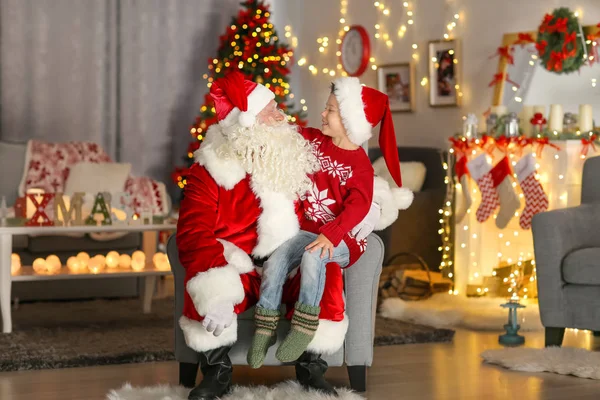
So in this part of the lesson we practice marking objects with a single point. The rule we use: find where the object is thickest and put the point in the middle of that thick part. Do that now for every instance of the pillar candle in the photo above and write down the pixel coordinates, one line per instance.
(499, 110)
(586, 121)
(540, 110)
(555, 122)
(526, 115)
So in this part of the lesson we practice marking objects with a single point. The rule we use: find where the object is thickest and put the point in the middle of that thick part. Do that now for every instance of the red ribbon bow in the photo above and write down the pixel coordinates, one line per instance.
(524, 38)
(460, 146)
(499, 77)
(541, 142)
(555, 63)
(541, 47)
(546, 23)
(505, 52)
(569, 37)
(586, 143)
(502, 144)
(559, 26)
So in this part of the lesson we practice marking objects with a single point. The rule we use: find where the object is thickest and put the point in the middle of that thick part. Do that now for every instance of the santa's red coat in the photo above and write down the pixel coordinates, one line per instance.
(223, 219)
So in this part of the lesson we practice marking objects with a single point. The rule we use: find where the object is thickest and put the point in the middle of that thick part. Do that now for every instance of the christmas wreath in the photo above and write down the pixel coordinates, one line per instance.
(558, 43)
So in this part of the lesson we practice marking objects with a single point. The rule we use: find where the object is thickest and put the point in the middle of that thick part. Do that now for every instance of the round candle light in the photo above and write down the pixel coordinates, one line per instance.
(161, 261)
(139, 255)
(124, 261)
(112, 259)
(53, 263)
(84, 258)
(137, 264)
(97, 264)
(75, 265)
(39, 266)
(15, 263)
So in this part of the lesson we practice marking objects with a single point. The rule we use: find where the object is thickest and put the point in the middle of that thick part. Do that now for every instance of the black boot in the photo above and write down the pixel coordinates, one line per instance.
(310, 371)
(216, 370)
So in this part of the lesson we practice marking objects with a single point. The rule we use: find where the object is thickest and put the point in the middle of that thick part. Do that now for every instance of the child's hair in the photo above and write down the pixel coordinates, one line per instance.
(332, 88)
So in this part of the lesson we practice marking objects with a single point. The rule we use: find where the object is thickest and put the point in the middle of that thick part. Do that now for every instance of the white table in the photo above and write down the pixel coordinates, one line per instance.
(27, 274)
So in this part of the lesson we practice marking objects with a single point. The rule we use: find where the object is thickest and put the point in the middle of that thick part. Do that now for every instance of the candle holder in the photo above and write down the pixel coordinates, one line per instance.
(511, 337)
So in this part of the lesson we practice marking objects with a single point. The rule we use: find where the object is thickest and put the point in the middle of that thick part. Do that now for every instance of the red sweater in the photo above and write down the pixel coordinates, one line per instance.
(342, 193)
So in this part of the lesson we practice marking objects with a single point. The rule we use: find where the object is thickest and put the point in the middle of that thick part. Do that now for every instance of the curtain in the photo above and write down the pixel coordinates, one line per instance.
(164, 50)
(126, 74)
(55, 70)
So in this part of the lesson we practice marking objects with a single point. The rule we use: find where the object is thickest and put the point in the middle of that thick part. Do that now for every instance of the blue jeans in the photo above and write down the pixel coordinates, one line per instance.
(312, 267)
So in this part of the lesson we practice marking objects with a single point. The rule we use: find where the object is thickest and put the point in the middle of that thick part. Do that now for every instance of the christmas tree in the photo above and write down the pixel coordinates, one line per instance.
(252, 46)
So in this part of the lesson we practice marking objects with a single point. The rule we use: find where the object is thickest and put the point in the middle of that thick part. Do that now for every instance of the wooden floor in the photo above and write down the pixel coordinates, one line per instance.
(422, 371)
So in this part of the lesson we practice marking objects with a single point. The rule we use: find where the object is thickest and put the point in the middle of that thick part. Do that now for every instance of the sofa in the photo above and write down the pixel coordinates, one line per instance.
(567, 254)
(361, 283)
(12, 160)
(416, 229)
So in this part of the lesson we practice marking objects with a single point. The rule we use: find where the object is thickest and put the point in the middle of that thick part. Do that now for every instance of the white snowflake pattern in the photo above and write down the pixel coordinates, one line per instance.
(362, 244)
(319, 205)
(333, 168)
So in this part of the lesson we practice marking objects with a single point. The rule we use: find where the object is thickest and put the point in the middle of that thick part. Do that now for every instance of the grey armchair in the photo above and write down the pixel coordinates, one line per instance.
(567, 254)
(361, 285)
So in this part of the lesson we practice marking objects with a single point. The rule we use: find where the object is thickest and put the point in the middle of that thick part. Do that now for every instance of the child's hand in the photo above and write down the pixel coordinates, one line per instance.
(321, 242)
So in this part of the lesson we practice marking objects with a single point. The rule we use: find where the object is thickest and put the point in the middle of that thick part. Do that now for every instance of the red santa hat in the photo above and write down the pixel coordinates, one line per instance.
(238, 100)
(362, 108)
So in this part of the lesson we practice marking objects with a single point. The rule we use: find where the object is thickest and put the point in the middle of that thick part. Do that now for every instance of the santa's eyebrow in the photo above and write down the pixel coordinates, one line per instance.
(330, 105)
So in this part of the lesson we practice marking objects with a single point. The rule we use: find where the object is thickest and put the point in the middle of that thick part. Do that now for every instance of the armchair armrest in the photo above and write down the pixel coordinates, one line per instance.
(361, 285)
(556, 234)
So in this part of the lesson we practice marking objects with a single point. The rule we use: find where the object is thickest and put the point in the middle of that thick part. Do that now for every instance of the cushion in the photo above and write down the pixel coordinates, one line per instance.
(47, 165)
(582, 267)
(12, 157)
(92, 178)
(412, 172)
(146, 192)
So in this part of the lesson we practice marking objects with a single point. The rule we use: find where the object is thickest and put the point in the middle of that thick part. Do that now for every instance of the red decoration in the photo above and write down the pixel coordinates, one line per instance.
(541, 142)
(556, 61)
(541, 47)
(499, 77)
(506, 53)
(40, 210)
(524, 38)
(587, 143)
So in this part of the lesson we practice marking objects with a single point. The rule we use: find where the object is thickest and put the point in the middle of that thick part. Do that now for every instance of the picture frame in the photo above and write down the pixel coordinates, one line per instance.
(398, 82)
(444, 73)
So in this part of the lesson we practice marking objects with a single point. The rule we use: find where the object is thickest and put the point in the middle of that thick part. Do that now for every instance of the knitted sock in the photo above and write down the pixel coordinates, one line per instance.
(264, 336)
(305, 322)
(507, 197)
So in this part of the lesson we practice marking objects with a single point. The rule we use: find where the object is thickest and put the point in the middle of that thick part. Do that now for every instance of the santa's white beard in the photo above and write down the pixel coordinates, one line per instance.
(277, 156)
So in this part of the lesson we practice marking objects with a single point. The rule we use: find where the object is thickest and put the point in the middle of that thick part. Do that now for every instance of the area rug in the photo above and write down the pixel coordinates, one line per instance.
(101, 332)
(289, 390)
(449, 311)
(559, 360)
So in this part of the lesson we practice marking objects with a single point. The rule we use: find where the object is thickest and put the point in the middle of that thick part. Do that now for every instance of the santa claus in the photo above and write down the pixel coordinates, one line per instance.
(239, 205)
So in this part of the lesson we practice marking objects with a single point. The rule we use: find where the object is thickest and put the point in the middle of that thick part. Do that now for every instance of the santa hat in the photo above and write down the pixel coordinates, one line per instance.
(238, 100)
(362, 108)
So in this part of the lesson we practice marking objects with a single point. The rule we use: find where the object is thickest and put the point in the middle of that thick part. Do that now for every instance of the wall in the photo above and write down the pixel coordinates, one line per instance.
(480, 30)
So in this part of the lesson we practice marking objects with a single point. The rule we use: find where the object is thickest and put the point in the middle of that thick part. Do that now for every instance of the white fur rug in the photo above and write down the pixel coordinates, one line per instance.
(444, 310)
(289, 390)
(559, 360)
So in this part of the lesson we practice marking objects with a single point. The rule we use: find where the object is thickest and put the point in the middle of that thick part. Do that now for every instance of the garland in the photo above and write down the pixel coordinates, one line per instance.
(558, 43)
(489, 143)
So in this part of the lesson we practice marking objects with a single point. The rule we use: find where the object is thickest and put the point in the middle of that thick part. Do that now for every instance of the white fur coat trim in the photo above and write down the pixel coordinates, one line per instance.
(277, 223)
(199, 339)
(382, 195)
(226, 172)
(215, 286)
(348, 92)
(329, 337)
(236, 257)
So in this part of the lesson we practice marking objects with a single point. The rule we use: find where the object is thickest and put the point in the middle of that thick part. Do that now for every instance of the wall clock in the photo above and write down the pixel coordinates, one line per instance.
(355, 51)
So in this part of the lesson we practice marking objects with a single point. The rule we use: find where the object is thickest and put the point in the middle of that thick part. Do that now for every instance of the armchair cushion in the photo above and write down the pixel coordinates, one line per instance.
(582, 267)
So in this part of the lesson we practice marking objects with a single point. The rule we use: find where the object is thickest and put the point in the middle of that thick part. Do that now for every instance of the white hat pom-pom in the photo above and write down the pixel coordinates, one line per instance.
(403, 197)
(246, 119)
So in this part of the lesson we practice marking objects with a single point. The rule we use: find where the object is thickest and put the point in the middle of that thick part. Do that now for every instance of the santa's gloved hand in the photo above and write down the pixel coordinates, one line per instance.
(219, 317)
(367, 225)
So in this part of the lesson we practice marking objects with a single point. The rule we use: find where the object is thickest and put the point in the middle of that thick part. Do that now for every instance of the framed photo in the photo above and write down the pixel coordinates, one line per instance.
(398, 82)
(444, 73)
